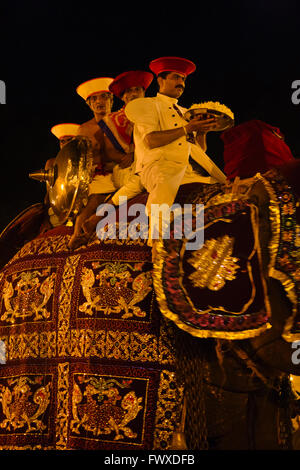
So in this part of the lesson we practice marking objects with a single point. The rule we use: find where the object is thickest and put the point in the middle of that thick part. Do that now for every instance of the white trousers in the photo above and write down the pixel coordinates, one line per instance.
(162, 180)
(120, 176)
(102, 184)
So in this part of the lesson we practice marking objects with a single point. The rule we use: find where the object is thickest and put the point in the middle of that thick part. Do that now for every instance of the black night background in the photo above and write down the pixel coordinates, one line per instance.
(246, 52)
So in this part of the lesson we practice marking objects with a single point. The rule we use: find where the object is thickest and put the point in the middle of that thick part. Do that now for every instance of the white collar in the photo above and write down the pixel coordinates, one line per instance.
(167, 99)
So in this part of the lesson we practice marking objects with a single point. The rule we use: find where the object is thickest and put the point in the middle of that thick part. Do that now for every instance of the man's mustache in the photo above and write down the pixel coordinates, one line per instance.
(180, 86)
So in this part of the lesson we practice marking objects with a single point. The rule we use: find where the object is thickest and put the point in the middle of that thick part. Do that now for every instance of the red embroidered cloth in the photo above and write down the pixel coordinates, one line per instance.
(120, 128)
(87, 359)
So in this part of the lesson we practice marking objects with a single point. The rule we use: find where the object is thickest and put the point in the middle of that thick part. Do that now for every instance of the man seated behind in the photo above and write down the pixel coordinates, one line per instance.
(117, 143)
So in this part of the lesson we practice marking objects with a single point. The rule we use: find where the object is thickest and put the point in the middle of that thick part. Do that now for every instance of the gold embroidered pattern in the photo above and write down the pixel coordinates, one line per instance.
(43, 246)
(32, 345)
(64, 311)
(114, 290)
(169, 408)
(135, 234)
(100, 407)
(120, 345)
(166, 348)
(128, 338)
(62, 416)
(214, 264)
(24, 400)
(26, 296)
(169, 271)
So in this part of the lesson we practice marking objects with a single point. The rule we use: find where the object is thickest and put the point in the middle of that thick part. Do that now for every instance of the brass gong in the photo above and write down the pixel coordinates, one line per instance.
(68, 180)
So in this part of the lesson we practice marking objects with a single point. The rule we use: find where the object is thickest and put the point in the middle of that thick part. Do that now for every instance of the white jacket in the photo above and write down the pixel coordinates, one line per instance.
(158, 114)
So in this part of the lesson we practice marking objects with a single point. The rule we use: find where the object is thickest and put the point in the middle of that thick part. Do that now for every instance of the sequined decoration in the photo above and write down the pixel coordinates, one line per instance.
(24, 401)
(214, 264)
(100, 407)
(27, 295)
(114, 289)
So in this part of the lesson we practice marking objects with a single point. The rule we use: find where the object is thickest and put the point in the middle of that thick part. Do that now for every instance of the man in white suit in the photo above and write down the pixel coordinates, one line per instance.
(164, 140)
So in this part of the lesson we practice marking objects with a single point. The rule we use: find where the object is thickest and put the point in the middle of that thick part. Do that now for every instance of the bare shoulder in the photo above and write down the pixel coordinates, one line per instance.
(88, 127)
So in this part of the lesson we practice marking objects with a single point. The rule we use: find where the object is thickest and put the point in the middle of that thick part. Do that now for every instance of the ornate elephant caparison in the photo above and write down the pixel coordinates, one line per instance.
(105, 351)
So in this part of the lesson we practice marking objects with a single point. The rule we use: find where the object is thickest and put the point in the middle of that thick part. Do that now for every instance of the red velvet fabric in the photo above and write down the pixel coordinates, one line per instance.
(172, 64)
(252, 147)
(130, 79)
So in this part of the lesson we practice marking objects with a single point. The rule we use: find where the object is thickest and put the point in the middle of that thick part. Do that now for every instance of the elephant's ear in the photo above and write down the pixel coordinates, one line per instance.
(219, 289)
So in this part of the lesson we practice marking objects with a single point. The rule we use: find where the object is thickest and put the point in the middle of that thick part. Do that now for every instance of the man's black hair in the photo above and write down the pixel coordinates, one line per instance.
(163, 74)
(122, 94)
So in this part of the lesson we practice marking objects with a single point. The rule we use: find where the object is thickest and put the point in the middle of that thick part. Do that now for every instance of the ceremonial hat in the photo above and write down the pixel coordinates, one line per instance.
(172, 64)
(253, 146)
(130, 79)
(96, 85)
(65, 129)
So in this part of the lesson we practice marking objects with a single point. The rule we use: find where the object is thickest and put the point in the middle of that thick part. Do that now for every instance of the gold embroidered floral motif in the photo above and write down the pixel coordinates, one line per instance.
(26, 296)
(64, 311)
(101, 409)
(297, 240)
(62, 414)
(214, 264)
(20, 410)
(116, 290)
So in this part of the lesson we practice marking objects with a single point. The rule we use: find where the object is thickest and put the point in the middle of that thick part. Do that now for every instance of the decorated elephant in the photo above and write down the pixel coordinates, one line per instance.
(103, 350)
(235, 302)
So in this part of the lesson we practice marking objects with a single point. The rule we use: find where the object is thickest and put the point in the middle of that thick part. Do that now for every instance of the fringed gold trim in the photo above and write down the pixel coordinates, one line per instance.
(161, 298)
(286, 282)
(162, 301)
(289, 287)
(274, 221)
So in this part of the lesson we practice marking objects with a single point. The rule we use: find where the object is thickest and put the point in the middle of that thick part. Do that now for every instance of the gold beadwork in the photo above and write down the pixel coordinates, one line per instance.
(214, 264)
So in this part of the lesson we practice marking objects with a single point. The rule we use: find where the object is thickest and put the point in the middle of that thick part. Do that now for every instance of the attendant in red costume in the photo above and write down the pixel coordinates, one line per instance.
(116, 127)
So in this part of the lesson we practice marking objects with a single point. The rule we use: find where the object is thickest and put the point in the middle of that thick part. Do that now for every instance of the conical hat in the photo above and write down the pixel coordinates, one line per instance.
(65, 129)
(96, 85)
